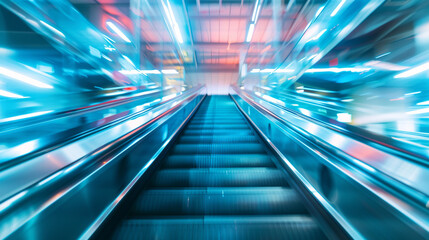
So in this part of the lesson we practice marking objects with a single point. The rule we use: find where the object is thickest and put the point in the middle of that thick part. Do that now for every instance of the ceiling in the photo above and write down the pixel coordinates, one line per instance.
(215, 33)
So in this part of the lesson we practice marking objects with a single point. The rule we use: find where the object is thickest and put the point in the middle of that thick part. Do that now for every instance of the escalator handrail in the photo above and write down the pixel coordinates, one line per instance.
(389, 144)
(82, 131)
(417, 196)
(62, 150)
(93, 160)
(49, 115)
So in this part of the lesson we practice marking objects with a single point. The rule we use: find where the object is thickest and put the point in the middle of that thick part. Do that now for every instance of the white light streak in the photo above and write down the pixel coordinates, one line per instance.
(107, 58)
(319, 35)
(255, 10)
(414, 71)
(56, 31)
(338, 8)
(319, 11)
(128, 59)
(154, 71)
(169, 71)
(423, 103)
(382, 55)
(285, 70)
(420, 111)
(171, 19)
(23, 116)
(344, 117)
(267, 70)
(250, 32)
(118, 31)
(412, 93)
(23, 78)
(9, 94)
(304, 111)
(337, 70)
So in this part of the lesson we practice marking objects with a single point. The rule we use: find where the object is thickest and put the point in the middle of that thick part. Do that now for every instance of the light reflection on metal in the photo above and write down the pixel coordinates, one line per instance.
(24, 116)
(56, 31)
(11, 200)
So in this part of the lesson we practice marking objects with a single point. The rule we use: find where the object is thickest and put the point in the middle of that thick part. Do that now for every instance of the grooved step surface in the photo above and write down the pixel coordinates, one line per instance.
(214, 227)
(213, 131)
(201, 148)
(218, 182)
(218, 177)
(218, 126)
(218, 161)
(218, 139)
(219, 201)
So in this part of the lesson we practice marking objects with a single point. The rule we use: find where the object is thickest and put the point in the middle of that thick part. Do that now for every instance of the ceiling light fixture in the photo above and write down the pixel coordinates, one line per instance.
(172, 21)
(255, 15)
(250, 32)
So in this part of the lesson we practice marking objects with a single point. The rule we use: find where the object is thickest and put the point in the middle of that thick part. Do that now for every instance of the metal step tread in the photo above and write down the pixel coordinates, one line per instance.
(218, 177)
(218, 139)
(215, 148)
(296, 227)
(218, 160)
(218, 201)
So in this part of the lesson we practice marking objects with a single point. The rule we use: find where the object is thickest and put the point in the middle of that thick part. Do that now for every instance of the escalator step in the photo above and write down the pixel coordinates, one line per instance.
(219, 201)
(295, 227)
(218, 148)
(218, 161)
(218, 131)
(226, 117)
(220, 126)
(225, 120)
(217, 139)
(218, 177)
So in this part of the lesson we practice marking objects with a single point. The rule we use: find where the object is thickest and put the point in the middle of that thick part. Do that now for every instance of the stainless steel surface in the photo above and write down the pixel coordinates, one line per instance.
(48, 130)
(86, 168)
(352, 189)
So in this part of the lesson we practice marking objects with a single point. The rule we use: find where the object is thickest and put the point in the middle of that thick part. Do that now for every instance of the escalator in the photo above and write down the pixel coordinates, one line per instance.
(217, 182)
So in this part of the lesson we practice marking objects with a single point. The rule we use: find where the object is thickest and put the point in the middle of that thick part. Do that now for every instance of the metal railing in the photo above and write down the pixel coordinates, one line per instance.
(354, 181)
(75, 170)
